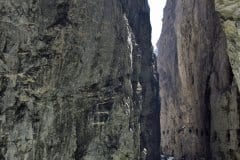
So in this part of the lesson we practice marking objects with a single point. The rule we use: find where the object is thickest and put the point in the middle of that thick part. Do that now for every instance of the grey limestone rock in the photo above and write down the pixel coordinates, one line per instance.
(78, 80)
(199, 83)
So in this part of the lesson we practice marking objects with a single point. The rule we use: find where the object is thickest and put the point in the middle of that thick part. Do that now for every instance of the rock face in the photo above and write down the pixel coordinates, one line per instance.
(199, 87)
(77, 81)
(229, 13)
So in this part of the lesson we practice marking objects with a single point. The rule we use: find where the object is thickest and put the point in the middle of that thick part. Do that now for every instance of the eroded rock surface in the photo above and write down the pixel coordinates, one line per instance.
(200, 114)
(77, 81)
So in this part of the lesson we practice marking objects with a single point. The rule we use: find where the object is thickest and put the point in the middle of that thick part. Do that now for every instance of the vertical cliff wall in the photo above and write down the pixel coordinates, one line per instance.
(77, 81)
(199, 92)
(228, 12)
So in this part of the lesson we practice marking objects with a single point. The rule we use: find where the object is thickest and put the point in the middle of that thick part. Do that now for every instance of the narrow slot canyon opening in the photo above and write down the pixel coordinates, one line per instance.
(156, 15)
(156, 19)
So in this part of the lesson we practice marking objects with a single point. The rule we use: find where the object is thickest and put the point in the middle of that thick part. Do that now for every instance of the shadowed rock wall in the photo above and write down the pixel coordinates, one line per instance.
(198, 90)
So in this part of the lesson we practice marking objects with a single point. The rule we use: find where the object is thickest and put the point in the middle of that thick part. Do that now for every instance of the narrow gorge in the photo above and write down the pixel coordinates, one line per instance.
(79, 80)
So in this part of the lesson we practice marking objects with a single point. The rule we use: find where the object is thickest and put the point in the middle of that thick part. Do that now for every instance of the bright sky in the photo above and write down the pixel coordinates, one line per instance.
(156, 8)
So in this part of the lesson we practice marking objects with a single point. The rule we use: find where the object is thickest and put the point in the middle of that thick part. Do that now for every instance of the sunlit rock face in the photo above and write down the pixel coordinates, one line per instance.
(198, 64)
(229, 13)
(77, 81)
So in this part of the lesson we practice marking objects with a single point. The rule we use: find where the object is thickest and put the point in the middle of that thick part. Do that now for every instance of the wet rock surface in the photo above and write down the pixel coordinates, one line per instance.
(78, 81)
